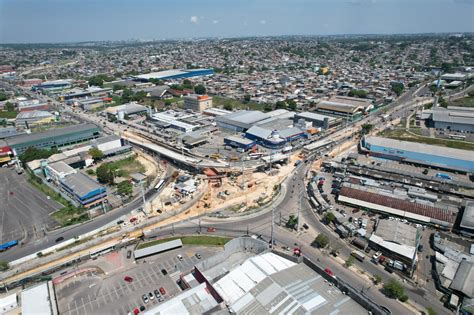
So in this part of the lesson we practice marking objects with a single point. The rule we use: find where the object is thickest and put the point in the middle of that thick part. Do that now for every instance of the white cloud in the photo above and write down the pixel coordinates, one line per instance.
(215, 21)
(194, 19)
(263, 22)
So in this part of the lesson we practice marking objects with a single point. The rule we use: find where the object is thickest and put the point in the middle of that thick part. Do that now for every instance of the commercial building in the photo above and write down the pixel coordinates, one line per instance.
(92, 104)
(454, 77)
(466, 225)
(30, 105)
(349, 107)
(54, 138)
(422, 154)
(463, 281)
(84, 190)
(8, 304)
(156, 249)
(39, 299)
(396, 240)
(197, 103)
(5, 153)
(52, 86)
(92, 91)
(317, 120)
(452, 119)
(58, 171)
(34, 118)
(241, 120)
(171, 120)
(274, 138)
(215, 112)
(237, 142)
(129, 109)
(174, 74)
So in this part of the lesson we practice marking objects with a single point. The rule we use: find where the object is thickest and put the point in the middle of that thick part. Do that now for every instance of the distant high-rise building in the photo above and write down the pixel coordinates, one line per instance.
(197, 103)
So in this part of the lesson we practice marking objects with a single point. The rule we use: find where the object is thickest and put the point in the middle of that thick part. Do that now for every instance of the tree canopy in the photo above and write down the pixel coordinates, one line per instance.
(105, 174)
(3, 96)
(96, 154)
(33, 153)
(98, 80)
(125, 188)
(321, 241)
(393, 289)
(200, 89)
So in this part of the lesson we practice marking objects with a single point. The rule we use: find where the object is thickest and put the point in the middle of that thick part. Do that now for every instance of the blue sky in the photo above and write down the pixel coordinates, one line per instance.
(33, 21)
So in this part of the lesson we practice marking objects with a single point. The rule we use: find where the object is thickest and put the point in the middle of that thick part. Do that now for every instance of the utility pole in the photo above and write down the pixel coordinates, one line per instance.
(273, 223)
(298, 217)
(143, 196)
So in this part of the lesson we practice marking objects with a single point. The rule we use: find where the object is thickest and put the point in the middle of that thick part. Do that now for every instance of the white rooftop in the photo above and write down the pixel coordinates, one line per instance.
(35, 300)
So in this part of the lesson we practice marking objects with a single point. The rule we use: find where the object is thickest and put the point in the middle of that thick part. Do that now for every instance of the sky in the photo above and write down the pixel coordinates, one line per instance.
(50, 21)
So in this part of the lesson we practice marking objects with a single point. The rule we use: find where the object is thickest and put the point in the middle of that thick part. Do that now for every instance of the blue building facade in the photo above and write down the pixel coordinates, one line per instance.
(440, 157)
(84, 190)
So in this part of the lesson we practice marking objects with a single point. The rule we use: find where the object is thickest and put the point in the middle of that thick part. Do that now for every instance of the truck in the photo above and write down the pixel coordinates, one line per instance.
(364, 223)
(7, 245)
(358, 255)
(395, 264)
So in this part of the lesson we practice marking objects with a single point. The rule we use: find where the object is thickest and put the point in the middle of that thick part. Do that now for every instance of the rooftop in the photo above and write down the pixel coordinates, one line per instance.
(80, 184)
(421, 148)
(129, 108)
(467, 220)
(396, 232)
(35, 300)
(314, 116)
(464, 279)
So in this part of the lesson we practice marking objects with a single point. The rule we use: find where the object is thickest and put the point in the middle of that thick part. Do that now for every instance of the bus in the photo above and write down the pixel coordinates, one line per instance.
(102, 251)
(457, 137)
(443, 176)
(160, 184)
(255, 155)
(8, 245)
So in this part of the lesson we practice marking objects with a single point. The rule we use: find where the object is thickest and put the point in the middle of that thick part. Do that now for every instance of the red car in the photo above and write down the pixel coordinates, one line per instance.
(162, 291)
(211, 229)
(329, 272)
(133, 219)
(136, 311)
(128, 279)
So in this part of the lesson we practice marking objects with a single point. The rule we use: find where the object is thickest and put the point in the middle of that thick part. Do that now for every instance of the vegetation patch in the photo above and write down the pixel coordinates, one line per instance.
(233, 104)
(190, 240)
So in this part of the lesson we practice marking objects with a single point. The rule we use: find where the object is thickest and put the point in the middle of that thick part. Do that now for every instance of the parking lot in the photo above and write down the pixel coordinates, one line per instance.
(102, 288)
(24, 211)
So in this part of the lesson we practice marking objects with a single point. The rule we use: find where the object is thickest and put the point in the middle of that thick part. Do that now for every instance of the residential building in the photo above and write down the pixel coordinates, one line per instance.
(197, 103)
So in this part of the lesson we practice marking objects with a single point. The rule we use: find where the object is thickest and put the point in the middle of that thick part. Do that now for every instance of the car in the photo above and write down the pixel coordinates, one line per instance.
(157, 293)
(211, 229)
(355, 210)
(133, 219)
(59, 239)
(145, 298)
(329, 272)
(162, 291)
(151, 296)
(142, 308)
(128, 279)
(136, 311)
(129, 254)
(180, 257)
(164, 272)
(198, 256)
(120, 222)
(420, 248)
(425, 171)
(305, 226)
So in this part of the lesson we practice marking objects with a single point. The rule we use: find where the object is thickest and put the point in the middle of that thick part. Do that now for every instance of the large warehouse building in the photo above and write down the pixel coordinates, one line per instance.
(423, 154)
(53, 138)
(350, 107)
(241, 120)
(453, 118)
(173, 74)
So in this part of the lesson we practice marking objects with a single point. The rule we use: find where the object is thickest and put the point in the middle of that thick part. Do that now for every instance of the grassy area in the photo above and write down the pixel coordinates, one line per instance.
(8, 115)
(190, 240)
(465, 102)
(127, 166)
(69, 214)
(402, 134)
(218, 101)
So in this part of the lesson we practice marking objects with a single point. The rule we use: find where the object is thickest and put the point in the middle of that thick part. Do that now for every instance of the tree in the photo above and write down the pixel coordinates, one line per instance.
(125, 188)
(33, 153)
(349, 262)
(168, 102)
(431, 311)
(228, 106)
(105, 174)
(4, 266)
(187, 84)
(280, 105)
(366, 128)
(9, 107)
(96, 81)
(377, 279)
(291, 104)
(393, 289)
(358, 93)
(267, 108)
(292, 221)
(247, 98)
(329, 217)
(200, 89)
(96, 154)
(397, 88)
(3, 96)
(404, 298)
(321, 241)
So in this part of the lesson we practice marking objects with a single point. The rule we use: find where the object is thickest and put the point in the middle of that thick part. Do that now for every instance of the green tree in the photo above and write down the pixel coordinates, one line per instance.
(4, 266)
(366, 128)
(321, 241)
(393, 289)
(228, 106)
(349, 262)
(96, 154)
(9, 107)
(404, 298)
(267, 108)
(33, 153)
(292, 221)
(247, 98)
(3, 96)
(117, 87)
(105, 174)
(187, 84)
(329, 217)
(397, 88)
(358, 93)
(280, 105)
(168, 102)
(125, 188)
(291, 105)
(431, 311)
(377, 279)
(96, 81)
(200, 89)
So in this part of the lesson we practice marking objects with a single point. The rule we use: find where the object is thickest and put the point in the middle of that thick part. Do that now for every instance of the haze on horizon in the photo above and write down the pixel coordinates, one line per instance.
(44, 21)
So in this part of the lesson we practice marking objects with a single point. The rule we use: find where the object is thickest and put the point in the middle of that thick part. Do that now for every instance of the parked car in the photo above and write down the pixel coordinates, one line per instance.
(120, 222)
(142, 308)
(355, 210)
(145, 298)
(198, 256)
(157, 293)
(128, 279)
(133, 219)
(59, 239)
(211, 229)
(151, 296)
(305, 226)
(180, 257)
(329, 272)
(162, 291)
(136, 311)
(164, 272)
(129, 254)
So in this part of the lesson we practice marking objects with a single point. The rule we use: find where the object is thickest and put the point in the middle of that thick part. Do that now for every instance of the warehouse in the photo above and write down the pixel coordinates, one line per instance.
(51, 86)
(129, 109)
(317, 120)
(237, 142)
(396, 240)
(33, 118)
(350, 107)
(84, 190)
(173, 74)
(241, 120)
(53, 138)
(274, 137)
(467, 222)
(91, 103)
(453, 119)
(422, 154)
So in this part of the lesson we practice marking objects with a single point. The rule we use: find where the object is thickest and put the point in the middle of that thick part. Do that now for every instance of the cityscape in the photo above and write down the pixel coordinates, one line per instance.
(246, 165)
